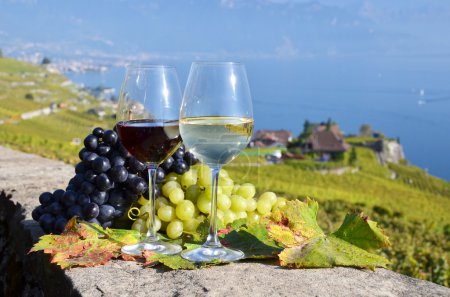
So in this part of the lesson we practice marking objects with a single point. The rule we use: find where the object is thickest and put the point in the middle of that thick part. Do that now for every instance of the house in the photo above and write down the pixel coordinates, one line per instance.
(325, 142)
(272, 138)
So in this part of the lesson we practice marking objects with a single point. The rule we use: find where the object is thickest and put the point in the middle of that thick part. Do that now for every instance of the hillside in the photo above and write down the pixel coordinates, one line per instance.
(59, 108)
(411, 205)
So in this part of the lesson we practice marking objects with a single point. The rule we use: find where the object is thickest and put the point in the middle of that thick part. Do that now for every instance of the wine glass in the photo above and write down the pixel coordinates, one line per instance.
(216, 123)
(147, 115)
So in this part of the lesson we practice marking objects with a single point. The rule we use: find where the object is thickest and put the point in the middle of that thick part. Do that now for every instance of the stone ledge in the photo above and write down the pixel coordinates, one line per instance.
(119, 278)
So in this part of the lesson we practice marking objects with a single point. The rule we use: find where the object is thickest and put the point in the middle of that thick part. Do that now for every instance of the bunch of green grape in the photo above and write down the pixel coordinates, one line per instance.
(185, 202)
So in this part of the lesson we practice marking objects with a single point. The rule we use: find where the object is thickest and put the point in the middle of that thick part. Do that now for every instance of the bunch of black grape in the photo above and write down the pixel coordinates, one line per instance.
(178, 163)
(107, 181)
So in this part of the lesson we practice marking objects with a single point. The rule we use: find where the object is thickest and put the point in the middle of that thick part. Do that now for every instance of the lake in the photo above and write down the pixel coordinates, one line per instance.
(386, 97)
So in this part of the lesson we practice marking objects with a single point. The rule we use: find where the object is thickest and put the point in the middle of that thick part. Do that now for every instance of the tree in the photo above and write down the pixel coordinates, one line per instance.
(365, 130)
(1, 53)
(46, 61)
(329, 124)
(353, 156)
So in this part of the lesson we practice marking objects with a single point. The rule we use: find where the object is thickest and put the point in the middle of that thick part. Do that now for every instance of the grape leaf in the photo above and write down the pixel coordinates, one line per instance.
(295, 227)
(329, 251)
(362, 232)
(253, 240)
(84, 244)
(295, 223)
(176, 261)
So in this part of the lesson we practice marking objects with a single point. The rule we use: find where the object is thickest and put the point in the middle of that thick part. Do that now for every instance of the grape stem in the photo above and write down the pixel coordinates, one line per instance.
(212, 241)
(151, 235)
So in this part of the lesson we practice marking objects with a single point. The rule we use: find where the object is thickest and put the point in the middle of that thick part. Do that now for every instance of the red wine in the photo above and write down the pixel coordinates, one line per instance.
(150, 141)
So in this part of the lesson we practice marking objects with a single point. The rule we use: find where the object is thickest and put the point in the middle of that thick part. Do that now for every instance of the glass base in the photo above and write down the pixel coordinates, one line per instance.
(159, 247)
(208, 254)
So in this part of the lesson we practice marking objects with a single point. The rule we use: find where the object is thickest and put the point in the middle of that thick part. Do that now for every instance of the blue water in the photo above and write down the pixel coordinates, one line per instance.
(285, 94)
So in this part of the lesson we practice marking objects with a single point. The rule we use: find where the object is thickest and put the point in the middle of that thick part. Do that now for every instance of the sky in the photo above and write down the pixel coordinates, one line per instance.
(227, 29)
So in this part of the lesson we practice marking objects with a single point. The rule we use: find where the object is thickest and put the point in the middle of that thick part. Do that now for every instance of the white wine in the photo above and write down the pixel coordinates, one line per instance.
(216, 140)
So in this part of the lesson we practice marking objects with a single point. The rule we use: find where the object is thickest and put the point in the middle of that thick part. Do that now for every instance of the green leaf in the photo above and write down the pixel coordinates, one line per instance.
(253, 240)
(176, 261)
(360, 231)
(329, 251)
(295, 223)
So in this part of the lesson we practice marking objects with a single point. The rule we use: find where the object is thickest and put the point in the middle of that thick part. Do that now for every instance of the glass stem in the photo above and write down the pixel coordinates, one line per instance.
(151, 232)
(213, 240)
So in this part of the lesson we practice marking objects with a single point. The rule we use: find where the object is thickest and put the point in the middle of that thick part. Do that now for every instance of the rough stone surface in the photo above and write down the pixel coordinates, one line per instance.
(27, 175)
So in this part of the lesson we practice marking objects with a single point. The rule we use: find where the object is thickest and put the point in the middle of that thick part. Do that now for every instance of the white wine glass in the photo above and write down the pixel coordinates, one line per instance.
(147, 115)
(216, 123)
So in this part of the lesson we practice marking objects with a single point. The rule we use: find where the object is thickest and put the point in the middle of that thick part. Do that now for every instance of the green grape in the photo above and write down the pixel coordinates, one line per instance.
(201, 218)
(191, 224)
(247, 191)
(223, 202)
(138, 225)
(251, 205)
(241, 214)
(220, 215)
(208, 191)
(238, 203)
(172, 177)
(204, 203)
(157, 224)
(227, 185)
(253, 217)
(174, 229)
(196, 211)
(223, 173)
(166, 213)
(189, 178)
(160, 201)
(185, 210)
(281, 202)
(228, 216)
(144, 208)
(192, 193)
(270, 197)
(169, 186)
(263, 206)
(176, 196)
(204, 176)
(142, 200)
(235, 189)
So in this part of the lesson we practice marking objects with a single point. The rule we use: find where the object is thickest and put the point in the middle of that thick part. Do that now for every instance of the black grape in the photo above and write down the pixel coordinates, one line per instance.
(90, 211)
(59, 225)
(110, 137)
(87, 188)
(100, 164)
(74, 211)
(37, 213)
(80, 168)
(98, 132)
(99, 197)
(160, 175)
(90, 142)
(118, 174)
(103, 149)
(106, 213)
(58, 194)
(83, 153)
(46, 221)
(69, 198)
(83, 199)
(117, 161)
(103, 182)
(46, 198)
(167, 164)
(90, 176)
